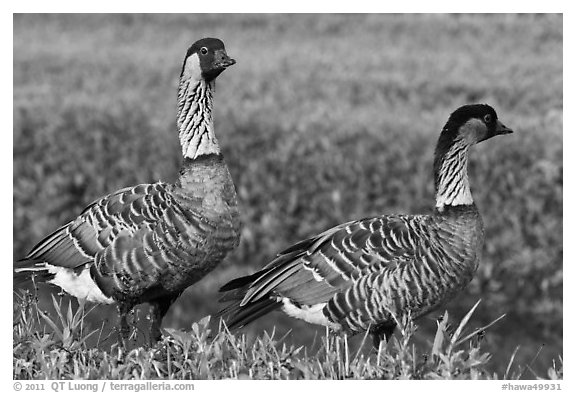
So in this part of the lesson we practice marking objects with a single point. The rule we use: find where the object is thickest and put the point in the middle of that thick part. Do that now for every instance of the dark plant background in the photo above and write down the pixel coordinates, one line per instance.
(324, 119)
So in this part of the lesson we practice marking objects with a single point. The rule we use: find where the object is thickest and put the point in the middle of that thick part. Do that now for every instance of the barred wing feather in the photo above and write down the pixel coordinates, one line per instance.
(338, 262)
(119, 236)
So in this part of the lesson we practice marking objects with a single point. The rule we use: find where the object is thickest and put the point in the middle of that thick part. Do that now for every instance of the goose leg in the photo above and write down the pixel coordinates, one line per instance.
(159, 309)
(384, 331)
(124, 336)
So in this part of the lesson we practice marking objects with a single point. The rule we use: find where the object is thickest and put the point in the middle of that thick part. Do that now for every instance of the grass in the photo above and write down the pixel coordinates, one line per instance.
(57, 347)
(324, 119)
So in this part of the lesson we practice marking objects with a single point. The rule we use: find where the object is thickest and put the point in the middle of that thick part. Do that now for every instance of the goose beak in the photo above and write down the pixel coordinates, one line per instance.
(223, 60)
(501, 129)
(220, 63)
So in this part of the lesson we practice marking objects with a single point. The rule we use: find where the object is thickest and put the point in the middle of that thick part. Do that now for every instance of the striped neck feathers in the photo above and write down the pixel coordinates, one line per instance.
(194, 120)
(451, 174)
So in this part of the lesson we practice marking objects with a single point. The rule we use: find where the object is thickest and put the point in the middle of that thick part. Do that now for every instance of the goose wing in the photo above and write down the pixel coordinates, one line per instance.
(118, 236)
(313, 271)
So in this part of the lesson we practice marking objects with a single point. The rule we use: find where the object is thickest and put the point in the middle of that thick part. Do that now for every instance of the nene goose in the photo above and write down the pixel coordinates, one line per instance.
(148, 243)
(364, 275)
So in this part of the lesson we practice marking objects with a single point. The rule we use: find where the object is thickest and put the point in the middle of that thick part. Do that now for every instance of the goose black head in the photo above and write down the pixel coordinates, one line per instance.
(472, 124)
(466, 126)
(206, 59)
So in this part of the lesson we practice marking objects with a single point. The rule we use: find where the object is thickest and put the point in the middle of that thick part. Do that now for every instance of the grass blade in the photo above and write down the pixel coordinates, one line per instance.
(476, 331)
(463, 323)
(53, 325)
(507, 373)
(440, 334)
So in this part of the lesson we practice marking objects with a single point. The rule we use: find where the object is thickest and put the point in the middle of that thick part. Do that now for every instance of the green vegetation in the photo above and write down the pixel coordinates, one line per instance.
(61, 352)
(324, 119)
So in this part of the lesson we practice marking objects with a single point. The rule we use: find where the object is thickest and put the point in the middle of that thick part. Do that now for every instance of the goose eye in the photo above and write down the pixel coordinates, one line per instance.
(488, 119)
(204, 50)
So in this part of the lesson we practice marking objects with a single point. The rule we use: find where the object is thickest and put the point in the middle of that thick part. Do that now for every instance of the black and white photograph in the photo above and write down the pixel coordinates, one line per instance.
(327, 196)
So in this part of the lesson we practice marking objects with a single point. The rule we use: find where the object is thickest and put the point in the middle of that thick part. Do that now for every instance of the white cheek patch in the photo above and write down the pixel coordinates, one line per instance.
(192, 68)
(81, 286)
(473, 131)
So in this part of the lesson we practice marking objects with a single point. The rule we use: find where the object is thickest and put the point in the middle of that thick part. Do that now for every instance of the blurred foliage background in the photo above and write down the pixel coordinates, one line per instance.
(324, 119)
